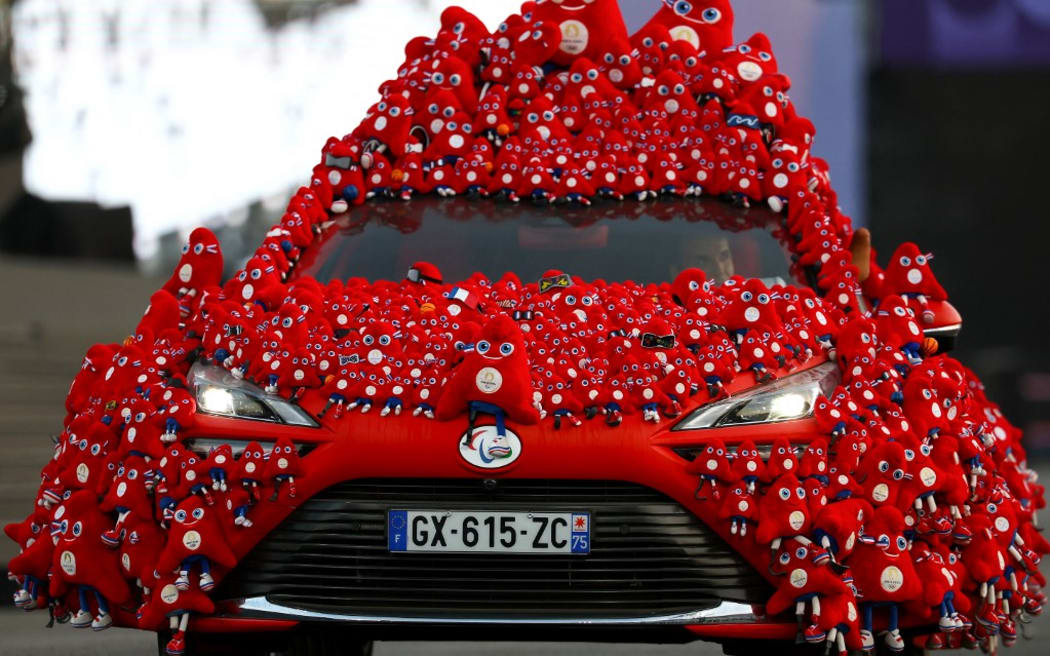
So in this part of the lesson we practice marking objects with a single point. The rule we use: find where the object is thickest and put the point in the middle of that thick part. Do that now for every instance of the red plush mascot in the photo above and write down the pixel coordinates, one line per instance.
(706, 24)
(589, 28)
(493, 379)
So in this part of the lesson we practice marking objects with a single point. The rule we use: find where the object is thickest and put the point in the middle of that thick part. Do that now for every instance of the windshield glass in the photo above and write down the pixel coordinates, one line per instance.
(643, 242)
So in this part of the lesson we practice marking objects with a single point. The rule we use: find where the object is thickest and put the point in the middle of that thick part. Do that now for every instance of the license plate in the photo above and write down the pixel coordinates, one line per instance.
(480, 531)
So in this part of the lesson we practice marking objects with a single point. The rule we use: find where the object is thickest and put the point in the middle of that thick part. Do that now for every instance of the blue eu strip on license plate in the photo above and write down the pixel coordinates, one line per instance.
(483, 531)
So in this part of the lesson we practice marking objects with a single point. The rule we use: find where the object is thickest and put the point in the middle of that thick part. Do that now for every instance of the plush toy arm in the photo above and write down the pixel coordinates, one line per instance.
(453, 401)
(223, 555)
(170, 557)
(781, 600)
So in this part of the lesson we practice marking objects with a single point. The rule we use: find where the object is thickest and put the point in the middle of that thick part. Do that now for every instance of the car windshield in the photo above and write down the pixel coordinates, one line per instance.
(643, 242)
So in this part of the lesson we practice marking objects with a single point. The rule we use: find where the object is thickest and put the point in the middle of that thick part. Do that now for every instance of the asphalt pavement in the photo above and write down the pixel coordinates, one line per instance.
(22, 635)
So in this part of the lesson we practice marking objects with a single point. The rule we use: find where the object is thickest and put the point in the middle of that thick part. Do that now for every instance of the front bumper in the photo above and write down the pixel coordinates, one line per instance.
(367, 447)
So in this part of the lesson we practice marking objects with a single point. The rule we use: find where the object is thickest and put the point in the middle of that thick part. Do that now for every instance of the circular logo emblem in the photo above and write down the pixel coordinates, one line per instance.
(927, 476)
(1002, 524)
(574, 37)
(192, 540)
(797, 519)
(743, 505)
(489, 380)
(169, 594)
(799, 578)
(68, 562)
(850, 541)
(83, 472)
(282, 463)
(891, 579)
(851, 611)
(686, 33)
(880, 492)
(749, 71)
(122, 488)
(484, 447)
(249, 467)
(125, 560)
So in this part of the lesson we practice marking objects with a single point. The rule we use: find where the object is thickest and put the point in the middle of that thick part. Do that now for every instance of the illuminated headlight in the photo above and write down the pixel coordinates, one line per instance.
(220, 393)
(789, 398)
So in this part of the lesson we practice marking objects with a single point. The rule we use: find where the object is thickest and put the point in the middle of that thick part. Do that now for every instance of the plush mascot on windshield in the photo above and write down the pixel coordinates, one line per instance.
(493, 378)
(589, 28)
(706, 24)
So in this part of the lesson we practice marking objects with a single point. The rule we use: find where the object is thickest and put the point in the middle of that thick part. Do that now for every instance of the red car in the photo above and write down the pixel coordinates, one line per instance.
(663, 392)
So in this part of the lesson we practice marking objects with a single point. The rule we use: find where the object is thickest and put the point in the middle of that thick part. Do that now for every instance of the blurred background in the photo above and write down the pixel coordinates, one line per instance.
(126, 123)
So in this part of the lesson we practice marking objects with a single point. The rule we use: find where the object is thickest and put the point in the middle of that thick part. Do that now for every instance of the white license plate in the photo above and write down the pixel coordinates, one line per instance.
(482, 531)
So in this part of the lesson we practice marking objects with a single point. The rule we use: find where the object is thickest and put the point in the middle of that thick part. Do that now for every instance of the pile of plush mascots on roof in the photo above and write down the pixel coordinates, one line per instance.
(916, 499)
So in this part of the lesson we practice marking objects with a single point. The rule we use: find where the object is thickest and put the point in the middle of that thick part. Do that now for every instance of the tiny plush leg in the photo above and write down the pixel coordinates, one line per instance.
(206, 580)
(82, 618)
(894, 641)
(103, 620)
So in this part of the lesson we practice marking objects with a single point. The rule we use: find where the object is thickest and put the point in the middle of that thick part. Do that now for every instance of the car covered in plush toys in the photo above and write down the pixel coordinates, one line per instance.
(568, 339)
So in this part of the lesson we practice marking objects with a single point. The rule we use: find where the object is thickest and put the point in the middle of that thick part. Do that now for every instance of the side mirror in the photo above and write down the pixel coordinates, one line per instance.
(945, 326)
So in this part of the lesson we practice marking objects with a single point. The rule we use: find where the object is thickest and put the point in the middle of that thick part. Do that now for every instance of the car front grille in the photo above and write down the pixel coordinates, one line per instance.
(649, 556)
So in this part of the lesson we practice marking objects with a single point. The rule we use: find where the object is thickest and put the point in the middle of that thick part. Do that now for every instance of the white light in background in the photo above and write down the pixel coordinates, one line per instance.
(185, 119)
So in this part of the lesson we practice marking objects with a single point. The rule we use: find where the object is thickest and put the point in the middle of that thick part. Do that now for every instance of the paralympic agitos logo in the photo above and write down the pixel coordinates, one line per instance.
(484, 447)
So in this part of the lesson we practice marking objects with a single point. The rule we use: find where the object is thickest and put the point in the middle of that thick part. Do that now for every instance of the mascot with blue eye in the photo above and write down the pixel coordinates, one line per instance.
(706, 24)
(492, 379)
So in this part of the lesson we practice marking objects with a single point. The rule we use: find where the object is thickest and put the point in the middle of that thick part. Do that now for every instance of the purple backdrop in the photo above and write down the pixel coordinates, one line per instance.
(965, 33)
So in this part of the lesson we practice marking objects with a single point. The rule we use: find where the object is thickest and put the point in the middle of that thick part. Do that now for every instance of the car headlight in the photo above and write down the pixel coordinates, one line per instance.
(203, 446)
(220, 393)
(792, 397)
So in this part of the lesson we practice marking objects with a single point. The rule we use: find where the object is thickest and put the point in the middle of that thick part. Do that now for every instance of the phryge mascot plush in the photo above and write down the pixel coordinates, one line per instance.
(588, 27)
(493, 378)
(706, 24)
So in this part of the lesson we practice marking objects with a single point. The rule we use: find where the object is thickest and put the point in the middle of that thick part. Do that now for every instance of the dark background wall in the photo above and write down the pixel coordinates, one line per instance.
(958, 114)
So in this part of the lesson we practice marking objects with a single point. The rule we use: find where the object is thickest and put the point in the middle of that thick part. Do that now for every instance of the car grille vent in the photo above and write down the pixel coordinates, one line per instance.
(649, 556)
